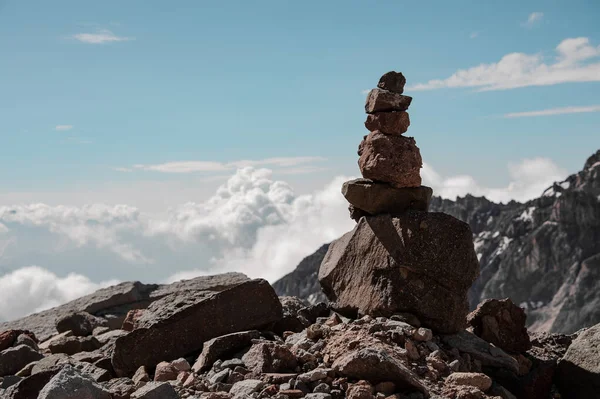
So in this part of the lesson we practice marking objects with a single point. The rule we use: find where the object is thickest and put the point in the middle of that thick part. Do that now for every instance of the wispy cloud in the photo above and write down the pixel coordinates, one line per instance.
(473, 35)
(575, 61)
(533, 19)
(210, 166)
(554, 111)
(63, 128)
(100, 37)
(79, 140)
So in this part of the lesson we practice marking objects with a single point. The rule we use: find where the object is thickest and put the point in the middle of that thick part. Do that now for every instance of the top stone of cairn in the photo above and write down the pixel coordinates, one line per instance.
(392, 81)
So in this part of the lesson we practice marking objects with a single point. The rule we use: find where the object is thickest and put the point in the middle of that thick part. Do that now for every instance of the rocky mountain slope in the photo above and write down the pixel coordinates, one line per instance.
(229, 337)
(544, 254)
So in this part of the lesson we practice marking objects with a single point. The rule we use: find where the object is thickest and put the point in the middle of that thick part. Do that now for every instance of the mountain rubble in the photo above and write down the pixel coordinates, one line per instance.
(397, 325)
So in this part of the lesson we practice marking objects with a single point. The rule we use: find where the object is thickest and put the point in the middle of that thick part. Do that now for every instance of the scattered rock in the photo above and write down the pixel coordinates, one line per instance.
(477, 380)
(69, 383)
(392, 159)
(9, 338)
(223, 346)
(120, 388)
(376, 366)
(269, 357)
(501, 323)
(81, 323)
(244, 389)
(73, 344)
(14, 359)
(165, 372)
(155, 390)
(481, 350)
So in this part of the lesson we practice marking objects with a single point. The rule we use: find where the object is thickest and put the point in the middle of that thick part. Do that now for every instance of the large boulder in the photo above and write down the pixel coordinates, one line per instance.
(578, 373)
(377, 198)
(420, 263)
(179, 324)
(501, 323)
(116, 301)
(390, 159)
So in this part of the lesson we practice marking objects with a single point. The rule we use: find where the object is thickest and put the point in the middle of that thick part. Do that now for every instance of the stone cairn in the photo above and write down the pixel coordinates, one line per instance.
(389, 162)
(399, 258)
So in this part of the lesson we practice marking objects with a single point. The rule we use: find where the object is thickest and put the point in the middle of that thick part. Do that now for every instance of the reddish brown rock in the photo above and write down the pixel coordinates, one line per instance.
(477, 380)
(394, 123)
(420, 263)
(223, 346)
(8, 338)
(165, 372)
(269, 357)
(501, 323)
(179, 324)
(379, 100)
(376, 198)
(391, 159)
(392, 81)
(131, 319)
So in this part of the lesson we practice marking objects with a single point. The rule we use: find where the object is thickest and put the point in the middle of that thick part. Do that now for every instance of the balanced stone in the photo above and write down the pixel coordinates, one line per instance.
(379, 100)
(392, 81)
(391, 159)
(377, 198)
(421, 263)
(388, 122)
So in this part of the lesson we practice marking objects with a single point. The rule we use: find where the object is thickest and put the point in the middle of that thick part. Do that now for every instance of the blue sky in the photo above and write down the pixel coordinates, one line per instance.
(227, 81)
(155, 140)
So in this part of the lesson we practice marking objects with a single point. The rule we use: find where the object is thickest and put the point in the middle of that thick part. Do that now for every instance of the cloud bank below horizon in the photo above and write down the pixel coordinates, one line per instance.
(252, 224)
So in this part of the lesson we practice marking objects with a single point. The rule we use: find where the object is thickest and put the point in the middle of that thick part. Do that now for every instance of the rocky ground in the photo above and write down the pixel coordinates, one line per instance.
(229, 339)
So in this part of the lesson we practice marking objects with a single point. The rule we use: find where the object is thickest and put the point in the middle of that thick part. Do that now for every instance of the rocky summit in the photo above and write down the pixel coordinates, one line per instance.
(395, 324)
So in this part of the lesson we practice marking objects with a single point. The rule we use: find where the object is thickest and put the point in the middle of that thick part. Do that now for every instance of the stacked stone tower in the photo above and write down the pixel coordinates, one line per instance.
(389, 161)
(399, 258)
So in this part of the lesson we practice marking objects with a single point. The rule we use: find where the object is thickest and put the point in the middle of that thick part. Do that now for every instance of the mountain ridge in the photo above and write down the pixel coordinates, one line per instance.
(544, 253)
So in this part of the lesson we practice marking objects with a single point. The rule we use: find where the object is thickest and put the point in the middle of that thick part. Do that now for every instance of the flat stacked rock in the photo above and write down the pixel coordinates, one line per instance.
(389, 161)
(399, 258)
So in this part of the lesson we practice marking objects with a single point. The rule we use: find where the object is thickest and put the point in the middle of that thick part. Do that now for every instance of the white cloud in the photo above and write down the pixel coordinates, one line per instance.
(252, 224)
(210, 166)
(529, 178)
(554, 111)
(574, 62)
(533, 19)
(100, 37)
(32, 289)
(62, 128)
(473, 35)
